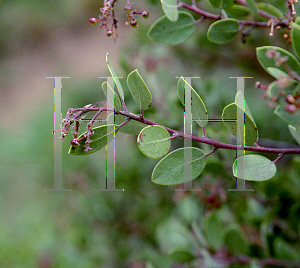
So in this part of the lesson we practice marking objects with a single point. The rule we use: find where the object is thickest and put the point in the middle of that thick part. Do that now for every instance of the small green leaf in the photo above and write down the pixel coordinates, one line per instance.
(114, 75)
(221, 3)
(115, 100)
(235, 241)
(277, 73)
(267, 62)
(132, 127)
(239, 99)
(139, 90)
(170, 9)
(102, 136)
(182, 254)
(237, 11)
(295, 34)
(170, 169)
(172, 234)
(188, 209)
(252, 8)
(213, 229)
(199, 111)
(293, 119)
(284, 251)
(248, 128)
(223, 31)
(154, 141)
(270, 10)
(165, 32)
(273, 91)
(295, 132)
(256, 168)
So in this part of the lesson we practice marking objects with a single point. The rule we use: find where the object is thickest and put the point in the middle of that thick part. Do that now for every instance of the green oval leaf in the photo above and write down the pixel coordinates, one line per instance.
(188, 209)
(170, 169)
(114, 76)
(275, 72)
(221, 3)
(132, 127)
(252, 8)
(223, 31)
(239, 99)
(273, 91)
(213, 229)
(172, 234)
(295, 132)
(139, 91)
(235, 241)
(115, 100)
(270, 10)
(102, 136)
(293, 119)
(295, 34)
(284, 251)
(250, 130)
(267, 62)
(165, 32)
(154, 141)
(170, 9)
(181, 254)
(237, 11)
(199, 111)
(256, 167)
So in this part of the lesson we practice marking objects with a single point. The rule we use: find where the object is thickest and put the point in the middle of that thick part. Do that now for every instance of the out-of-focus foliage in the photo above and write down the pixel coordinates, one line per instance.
(146, 225)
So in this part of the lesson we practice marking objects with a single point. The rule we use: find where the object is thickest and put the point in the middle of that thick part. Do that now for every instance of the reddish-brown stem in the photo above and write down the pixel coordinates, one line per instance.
(201, 140)
(123, 124)
(208, 15)
(278, 158)
(260, 12)
(211, 152)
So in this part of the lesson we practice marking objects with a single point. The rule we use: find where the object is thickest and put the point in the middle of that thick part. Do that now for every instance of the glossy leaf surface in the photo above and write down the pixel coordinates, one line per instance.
(165, 32)
(170, 9)
(256, 168)
(170, 169)
(139, 90)
(223, 31)
(198, 108)
(154, 141)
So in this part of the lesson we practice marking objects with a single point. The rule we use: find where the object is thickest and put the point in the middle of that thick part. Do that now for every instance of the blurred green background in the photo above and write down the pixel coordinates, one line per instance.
(87, 228)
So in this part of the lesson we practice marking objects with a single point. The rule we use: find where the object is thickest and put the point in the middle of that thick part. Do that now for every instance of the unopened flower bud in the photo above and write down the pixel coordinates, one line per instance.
(291, 108)
(93, 21)
(109, 33)
(145, 14)
(133, 23)
(75, 142)
(290, 99)
(128, 9)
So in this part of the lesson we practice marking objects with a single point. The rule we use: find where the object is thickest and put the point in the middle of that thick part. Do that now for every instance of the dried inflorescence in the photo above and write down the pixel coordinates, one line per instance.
(75, 116)
(108, 14)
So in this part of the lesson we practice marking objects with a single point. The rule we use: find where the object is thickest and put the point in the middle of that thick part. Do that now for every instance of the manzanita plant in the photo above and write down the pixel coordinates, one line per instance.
(231, 19)
(154, 140)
